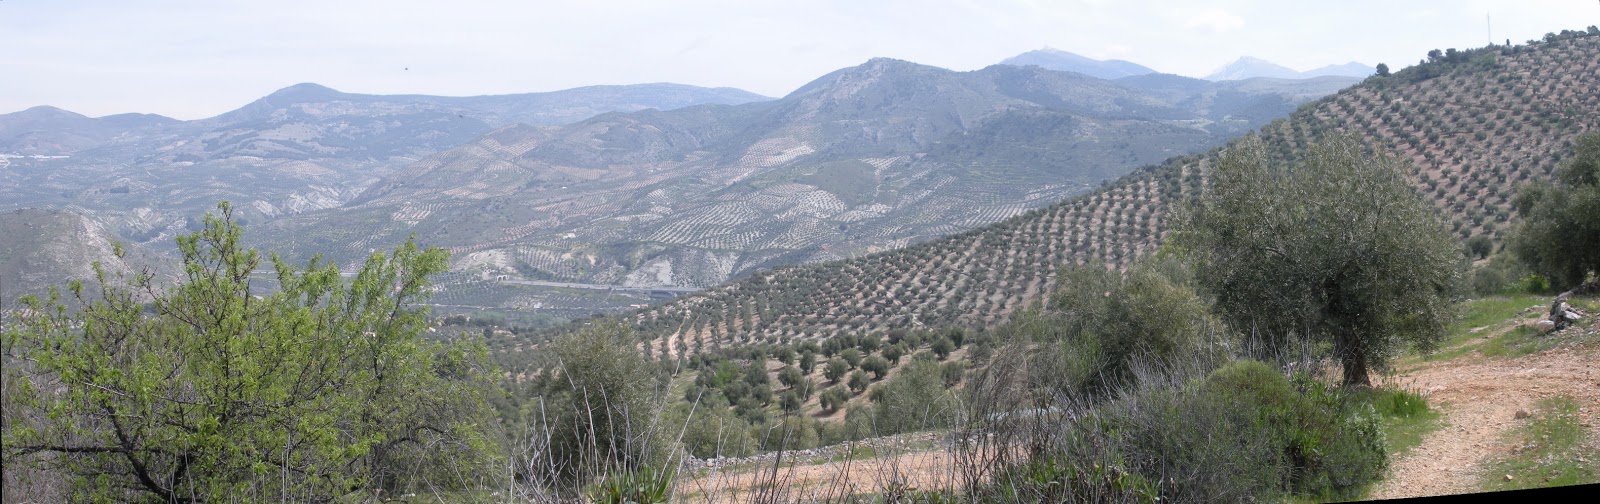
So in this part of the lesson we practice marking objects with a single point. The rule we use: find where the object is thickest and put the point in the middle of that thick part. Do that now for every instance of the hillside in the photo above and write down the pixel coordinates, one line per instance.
(1475, 123)
(301, 148)
(45, 248)
(865, 159)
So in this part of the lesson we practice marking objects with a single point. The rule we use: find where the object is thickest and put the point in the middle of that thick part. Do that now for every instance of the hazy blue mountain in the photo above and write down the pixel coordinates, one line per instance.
(49, 131)
(1248, 68)
(1351, 69)
(1063, 61)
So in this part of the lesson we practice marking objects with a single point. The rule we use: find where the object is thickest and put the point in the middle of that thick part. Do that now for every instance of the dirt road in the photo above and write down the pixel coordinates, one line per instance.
(1480, 398)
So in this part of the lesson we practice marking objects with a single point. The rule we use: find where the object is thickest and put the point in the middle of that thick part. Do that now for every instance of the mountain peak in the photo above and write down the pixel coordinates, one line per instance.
(1247, 67)
(46, 112)
(305, 91)
(1062, 61)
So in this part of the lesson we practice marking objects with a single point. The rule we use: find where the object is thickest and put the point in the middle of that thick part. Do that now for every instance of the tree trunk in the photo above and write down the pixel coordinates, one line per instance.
(1354, 361)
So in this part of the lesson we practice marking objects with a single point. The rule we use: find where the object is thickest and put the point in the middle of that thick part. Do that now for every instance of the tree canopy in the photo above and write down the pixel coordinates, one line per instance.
(215, 389)
(1560, 234)
(1335, 249)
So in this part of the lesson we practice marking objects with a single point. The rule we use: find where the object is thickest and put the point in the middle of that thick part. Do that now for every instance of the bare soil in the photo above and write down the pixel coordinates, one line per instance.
(1480, 398)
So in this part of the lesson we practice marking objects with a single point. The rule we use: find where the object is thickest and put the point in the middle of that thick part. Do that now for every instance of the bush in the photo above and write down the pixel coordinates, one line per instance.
(1243, 433)
(952, 373)
(915, 399)
(715, 431)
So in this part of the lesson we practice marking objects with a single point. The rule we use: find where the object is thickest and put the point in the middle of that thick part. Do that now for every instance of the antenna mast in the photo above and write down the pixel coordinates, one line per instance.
(1488, 27)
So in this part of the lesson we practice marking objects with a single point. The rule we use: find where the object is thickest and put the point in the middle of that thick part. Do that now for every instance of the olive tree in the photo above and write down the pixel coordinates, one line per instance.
(217, 389)
(1560, 233)
(1334, 249)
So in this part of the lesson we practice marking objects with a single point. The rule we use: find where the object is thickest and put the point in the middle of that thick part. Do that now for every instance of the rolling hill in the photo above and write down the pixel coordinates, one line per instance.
(1475, 124)
(865, 159)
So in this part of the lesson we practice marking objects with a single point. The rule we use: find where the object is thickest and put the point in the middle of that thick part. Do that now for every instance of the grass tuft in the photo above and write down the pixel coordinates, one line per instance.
(1550, 451)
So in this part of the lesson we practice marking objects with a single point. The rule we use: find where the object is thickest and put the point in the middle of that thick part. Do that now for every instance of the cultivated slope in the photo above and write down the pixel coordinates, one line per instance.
(1475, 124)
(864, 159)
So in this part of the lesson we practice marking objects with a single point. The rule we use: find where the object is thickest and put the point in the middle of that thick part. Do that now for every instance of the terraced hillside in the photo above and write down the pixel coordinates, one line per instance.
(865, 159)
(1475, 122)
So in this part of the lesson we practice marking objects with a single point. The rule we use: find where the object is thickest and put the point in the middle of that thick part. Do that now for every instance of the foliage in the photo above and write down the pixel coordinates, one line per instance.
(597, 411)
(1244, 433)
(1098, 321)
(835, 369)
(1560, 233)
(214, 390)
(1337, 249)
(915, 399)
(1504, 274)
(645, 485)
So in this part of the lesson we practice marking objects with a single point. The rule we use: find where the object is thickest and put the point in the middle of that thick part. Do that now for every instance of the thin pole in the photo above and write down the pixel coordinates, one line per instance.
(1488, 28)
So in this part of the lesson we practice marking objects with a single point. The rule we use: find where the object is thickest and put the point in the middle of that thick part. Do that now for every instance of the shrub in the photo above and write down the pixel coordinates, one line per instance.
(1243, 433)
(915, 399)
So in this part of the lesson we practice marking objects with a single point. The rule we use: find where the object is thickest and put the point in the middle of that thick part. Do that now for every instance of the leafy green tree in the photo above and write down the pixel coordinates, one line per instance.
(942, 347)
(832, 399)
(808, 361)
(877, 365)
(791, 402)
(859, 381)
(1337, 249)
(213, 389)
(894, 352)
(835, 369)
(789, 376)
(1480, 246)
(1560, 233)
(1383, 70)
(852, 357)
(755, 373)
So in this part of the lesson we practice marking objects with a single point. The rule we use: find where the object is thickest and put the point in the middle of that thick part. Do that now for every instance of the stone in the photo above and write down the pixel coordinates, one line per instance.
(1544, 326)
(1522, 413)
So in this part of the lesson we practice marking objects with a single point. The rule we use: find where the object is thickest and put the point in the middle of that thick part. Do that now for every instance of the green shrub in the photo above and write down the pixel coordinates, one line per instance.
(1243, 433)
(646, 485)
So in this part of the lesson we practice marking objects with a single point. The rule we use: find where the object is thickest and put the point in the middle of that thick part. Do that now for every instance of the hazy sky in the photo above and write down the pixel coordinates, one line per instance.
(193, 59)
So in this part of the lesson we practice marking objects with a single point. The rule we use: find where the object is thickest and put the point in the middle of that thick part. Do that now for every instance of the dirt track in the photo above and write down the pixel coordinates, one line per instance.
(1480, 398)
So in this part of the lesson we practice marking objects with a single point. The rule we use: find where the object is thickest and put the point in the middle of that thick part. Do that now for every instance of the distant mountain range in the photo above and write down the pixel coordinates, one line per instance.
(1062, 61)
(1248, 67)
(1243, 68)
(301, 148)
(867, 158)
(705, 185)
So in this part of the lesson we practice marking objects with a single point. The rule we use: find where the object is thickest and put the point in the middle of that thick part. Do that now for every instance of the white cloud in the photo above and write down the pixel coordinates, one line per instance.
(1216, 20)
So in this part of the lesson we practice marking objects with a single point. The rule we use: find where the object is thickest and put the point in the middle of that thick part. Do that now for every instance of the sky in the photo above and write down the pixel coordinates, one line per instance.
(196, 59)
